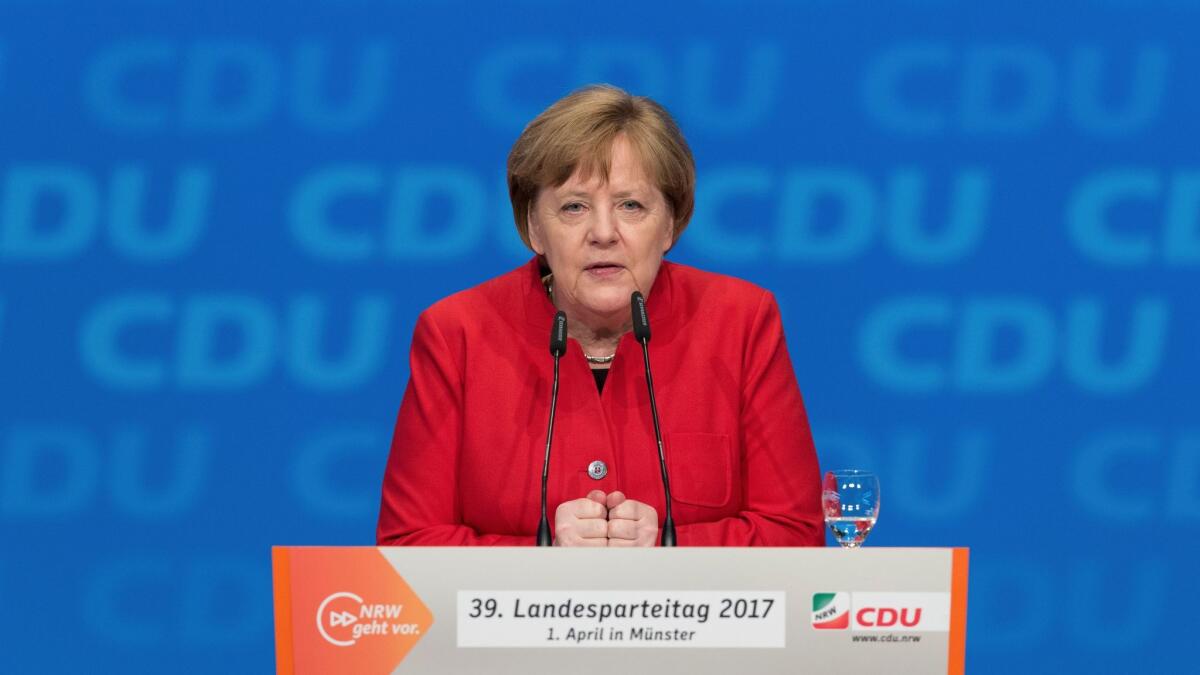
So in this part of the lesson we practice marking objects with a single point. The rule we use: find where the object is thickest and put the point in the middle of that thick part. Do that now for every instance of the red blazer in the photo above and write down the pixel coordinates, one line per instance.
(466, 458)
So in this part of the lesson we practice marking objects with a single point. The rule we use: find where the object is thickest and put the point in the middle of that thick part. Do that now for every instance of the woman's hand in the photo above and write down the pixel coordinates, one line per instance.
(582, 522)
(630, 522)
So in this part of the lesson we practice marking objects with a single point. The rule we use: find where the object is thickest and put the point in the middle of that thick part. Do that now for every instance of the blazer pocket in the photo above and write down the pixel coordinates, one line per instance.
(701, 468)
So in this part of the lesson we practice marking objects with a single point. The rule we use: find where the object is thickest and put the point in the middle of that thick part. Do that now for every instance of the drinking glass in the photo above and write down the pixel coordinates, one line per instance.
(850, 499)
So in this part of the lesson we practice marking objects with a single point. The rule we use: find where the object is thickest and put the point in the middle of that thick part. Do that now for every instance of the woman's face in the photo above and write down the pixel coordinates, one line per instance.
(602, 240)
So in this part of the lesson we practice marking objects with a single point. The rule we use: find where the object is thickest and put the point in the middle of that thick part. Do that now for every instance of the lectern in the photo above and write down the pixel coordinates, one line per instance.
(664, 611)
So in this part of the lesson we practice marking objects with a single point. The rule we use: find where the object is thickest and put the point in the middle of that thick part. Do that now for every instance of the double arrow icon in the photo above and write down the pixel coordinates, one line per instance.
(341, 618)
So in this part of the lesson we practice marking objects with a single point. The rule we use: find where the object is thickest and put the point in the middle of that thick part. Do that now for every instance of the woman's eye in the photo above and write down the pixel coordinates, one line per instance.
(572, 207)
(630, 205)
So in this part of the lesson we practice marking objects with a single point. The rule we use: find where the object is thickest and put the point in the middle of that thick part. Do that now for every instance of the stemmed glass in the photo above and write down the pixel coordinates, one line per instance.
(850, 499)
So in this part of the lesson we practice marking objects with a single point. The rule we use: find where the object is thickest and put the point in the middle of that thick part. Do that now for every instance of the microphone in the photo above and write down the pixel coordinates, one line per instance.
(558, 347)
(641, 331)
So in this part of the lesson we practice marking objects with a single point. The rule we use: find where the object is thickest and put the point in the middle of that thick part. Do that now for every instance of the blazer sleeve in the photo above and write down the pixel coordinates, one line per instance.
(782, 504)
(419, 505)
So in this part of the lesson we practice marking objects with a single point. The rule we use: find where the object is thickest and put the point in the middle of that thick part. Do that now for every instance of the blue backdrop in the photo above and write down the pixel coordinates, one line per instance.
(218, 224)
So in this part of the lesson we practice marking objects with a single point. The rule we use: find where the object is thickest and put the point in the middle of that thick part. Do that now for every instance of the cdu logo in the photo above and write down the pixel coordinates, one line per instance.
(882, 611)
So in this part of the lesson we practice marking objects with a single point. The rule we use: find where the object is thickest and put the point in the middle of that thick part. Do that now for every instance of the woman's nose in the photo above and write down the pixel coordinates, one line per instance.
(603, 228)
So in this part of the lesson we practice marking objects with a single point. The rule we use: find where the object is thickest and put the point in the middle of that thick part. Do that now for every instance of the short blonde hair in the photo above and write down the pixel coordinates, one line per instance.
(577, 132)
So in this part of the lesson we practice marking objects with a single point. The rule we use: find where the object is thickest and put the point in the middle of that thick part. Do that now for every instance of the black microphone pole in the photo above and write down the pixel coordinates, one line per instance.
(558, 347)
(641, 331)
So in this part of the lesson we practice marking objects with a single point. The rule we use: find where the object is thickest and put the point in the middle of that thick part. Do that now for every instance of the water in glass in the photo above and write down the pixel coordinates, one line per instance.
(850, 499)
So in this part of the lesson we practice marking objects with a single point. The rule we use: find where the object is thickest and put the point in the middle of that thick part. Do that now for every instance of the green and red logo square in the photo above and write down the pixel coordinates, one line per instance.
(831, 610)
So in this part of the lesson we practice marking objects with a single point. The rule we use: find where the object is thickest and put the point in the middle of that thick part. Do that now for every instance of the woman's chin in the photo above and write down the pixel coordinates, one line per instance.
(607, 303)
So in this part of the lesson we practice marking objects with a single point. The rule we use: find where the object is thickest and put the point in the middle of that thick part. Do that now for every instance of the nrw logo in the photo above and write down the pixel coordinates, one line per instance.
(368, 617)
(831, 610)
(343, 619)
(882, 611)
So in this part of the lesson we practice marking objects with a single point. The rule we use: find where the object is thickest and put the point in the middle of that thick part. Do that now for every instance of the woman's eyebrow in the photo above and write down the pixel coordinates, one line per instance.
(619, 194)
(574, 193)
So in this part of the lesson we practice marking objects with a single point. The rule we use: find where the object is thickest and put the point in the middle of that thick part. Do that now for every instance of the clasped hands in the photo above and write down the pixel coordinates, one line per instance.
(605, 520)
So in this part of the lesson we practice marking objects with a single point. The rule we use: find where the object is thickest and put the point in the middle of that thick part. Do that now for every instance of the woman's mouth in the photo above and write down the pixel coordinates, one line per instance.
(604, 270)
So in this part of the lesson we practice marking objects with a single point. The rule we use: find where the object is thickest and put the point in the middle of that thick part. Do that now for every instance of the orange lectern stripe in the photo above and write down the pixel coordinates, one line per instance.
(958, 610)
(282, 570)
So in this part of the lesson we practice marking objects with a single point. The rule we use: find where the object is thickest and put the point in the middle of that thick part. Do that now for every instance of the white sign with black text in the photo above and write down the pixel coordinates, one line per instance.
(749, 619)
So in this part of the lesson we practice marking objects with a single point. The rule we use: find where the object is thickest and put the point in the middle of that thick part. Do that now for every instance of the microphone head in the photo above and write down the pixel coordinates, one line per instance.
(641, 322)
(558, 335)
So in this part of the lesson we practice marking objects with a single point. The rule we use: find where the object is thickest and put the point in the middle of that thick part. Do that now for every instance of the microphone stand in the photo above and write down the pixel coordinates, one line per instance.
(558, 346)
(641, 330)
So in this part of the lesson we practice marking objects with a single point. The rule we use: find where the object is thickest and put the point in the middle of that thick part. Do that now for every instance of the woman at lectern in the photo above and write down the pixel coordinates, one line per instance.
(602, 187)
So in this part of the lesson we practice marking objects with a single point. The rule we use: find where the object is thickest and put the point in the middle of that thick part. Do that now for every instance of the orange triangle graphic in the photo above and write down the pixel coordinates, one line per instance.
(350, 611)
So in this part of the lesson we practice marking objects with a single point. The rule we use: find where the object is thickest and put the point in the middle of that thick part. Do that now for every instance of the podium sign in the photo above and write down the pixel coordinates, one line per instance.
(695, 610)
